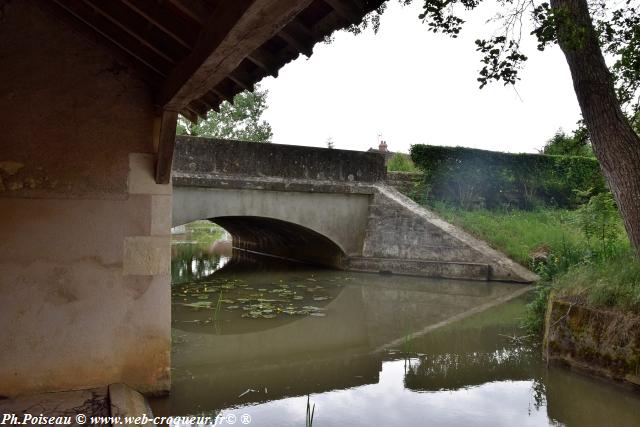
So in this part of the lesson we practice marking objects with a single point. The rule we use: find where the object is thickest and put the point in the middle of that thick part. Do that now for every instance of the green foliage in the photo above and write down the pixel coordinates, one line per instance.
(614, 283)
(203, 232)
(620, 36)
(562, 144)
(477, 178)
(601, 225)
(533, 321)
(581, 254)
(400, 162)
(518, 233)
(240, 120)
(617, 25)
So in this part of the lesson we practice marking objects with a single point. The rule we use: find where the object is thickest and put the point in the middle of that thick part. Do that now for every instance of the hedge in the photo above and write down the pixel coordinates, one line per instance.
(470, 177)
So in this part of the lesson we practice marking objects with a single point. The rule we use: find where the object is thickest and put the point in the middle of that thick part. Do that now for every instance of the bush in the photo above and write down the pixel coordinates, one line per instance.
(477, 178)
(400, 162)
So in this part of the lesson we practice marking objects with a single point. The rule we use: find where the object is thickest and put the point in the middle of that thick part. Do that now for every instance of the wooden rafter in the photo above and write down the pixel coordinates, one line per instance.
(138, 27)
(199, 107)
(116, 35)
(166, 142)
(194, 9)
(229, 34)
(265, 61)
(213, 100)
(294, 43)
(198, 53)
(242, 79)
(346, 9)
(158, 14)
(190, 115)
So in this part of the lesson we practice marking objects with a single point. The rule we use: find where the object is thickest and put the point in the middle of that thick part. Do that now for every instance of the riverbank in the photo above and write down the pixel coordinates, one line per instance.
(589, 291)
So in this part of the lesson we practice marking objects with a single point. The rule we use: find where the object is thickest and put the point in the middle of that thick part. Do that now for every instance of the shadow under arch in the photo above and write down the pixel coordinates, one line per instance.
(281, 239)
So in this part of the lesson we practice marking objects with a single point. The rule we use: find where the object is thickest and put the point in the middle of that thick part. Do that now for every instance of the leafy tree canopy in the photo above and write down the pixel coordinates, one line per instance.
(562, 144)
(241, 120)
(617, 23)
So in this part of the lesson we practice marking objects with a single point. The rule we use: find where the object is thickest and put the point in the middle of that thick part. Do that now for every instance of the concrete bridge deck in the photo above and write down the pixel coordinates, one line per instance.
(326, 206)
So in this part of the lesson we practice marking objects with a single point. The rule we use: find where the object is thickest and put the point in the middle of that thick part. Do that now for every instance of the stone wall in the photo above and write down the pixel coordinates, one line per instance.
(84, 254)
(237, 158)
(404, 182)
(403, 237)
(605, 342)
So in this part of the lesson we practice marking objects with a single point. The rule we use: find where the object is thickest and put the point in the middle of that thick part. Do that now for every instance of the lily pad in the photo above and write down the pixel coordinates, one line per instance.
(318, 314)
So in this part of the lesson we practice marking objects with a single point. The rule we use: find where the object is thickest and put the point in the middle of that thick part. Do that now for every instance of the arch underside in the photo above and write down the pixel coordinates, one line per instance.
(282, 239)
(290, 219)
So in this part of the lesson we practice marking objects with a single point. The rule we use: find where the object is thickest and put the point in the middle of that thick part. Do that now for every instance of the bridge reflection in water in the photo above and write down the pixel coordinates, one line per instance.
(421, 348)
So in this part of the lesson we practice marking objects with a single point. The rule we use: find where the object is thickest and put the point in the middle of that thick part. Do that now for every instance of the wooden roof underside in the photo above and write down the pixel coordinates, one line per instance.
(196, 54)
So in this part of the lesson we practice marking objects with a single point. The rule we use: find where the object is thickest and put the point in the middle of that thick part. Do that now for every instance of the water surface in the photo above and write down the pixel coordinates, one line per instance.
(368, 350)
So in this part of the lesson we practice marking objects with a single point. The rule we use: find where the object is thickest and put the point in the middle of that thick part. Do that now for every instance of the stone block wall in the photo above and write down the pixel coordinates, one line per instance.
(240, 158)
(605, 342)
(403, 237)
(404, 182)
(85, 247)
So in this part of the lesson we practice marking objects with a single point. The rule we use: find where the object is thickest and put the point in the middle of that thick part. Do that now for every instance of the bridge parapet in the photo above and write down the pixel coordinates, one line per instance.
(205, 156)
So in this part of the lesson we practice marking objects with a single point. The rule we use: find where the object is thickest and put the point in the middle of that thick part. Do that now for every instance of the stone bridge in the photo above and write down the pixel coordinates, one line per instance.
(324, 206)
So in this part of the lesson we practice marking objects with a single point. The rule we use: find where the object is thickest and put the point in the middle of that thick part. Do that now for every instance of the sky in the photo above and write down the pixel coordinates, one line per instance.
(415, 87)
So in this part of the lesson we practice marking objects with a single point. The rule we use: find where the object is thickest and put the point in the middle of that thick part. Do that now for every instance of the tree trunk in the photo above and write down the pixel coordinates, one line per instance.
(615, 144)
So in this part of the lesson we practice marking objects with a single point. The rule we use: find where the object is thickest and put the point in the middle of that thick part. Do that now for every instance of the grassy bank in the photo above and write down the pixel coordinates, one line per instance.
(582, 254)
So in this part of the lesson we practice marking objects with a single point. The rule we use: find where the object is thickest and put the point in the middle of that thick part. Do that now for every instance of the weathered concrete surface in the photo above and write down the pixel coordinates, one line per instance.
(339, 217)
(233, 158)
(404, 182)
(62, 408)
(373, 224)
(443, 269)
(124, 402)
(84, 272)
(604, 342)
(92, 402)
(405, 234)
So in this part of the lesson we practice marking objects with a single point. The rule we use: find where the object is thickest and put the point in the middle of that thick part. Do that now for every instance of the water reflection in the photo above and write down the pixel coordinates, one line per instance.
(390, 350)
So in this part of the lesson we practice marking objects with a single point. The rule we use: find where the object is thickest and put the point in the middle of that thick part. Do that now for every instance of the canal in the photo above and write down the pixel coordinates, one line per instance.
(260, 340)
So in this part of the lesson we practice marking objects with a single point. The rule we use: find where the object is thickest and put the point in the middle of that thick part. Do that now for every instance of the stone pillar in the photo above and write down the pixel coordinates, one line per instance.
(84, 230)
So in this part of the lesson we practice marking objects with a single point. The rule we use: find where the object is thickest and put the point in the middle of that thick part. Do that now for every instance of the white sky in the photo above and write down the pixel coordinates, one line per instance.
(413, 86)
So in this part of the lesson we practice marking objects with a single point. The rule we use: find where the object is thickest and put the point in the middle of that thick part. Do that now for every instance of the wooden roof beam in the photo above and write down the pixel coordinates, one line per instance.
(346, 9)
(226, 90)
(116, 35)
(194, 9)
(232, 32)
(139, 28)
(264, 61)
(190, 115)
(166, 142)
(298, 37)
(199, 107)
(242, 79)
(177, 28)
(213, 100)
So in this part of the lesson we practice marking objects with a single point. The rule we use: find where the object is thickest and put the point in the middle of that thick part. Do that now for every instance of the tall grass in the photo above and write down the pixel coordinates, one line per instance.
(310, 413)
(519, 233)
(587, 256)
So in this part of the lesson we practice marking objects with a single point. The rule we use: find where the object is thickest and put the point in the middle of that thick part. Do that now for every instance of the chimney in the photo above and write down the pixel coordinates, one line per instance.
(383, 147)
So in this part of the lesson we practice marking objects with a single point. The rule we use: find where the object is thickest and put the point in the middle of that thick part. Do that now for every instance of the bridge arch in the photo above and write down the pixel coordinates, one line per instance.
(324, 228)
(281, 238)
